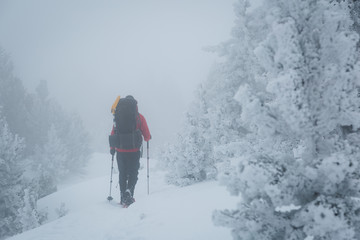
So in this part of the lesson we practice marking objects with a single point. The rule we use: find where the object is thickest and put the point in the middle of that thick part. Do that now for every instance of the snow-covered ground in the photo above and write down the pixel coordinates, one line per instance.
(169, 212)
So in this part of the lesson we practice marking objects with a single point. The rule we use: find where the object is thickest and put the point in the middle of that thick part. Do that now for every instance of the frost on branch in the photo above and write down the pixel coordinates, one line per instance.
(300, 105)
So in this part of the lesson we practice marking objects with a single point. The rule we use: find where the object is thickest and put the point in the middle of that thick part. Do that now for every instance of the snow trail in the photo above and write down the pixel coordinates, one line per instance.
(169, 212)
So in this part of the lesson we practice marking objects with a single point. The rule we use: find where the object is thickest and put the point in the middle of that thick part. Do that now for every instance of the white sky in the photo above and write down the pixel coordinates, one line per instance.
(91, 51)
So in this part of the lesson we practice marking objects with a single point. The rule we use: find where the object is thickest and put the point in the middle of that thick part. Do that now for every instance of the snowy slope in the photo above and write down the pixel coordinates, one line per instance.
(169, 212)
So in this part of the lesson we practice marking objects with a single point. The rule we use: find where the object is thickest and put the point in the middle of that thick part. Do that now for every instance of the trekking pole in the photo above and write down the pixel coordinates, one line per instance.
(148, 191)
(112, 167)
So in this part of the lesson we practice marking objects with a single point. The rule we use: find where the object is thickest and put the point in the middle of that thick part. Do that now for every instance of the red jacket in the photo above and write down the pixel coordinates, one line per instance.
(142, 125)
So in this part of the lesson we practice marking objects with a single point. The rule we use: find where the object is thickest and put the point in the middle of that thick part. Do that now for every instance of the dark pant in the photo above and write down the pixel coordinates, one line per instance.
(128, 164)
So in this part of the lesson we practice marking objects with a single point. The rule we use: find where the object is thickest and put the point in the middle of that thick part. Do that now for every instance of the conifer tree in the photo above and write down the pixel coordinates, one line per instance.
(53, 146)
(297, 167)
(14, 201)
(210, 122)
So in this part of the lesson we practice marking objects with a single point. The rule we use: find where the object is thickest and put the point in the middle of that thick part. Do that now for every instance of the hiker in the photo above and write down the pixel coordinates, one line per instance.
(128, 129)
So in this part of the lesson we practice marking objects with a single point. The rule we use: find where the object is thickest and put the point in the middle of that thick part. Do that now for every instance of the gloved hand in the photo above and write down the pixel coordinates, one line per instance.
(112, 151)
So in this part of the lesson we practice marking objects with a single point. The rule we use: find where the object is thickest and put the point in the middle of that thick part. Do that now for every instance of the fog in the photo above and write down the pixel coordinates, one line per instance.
(90, 52)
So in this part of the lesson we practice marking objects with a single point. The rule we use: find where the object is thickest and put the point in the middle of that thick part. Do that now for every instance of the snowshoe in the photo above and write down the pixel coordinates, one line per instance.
(127, 199)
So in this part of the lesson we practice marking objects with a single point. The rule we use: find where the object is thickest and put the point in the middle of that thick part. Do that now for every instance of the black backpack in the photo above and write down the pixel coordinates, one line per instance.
(126, 118)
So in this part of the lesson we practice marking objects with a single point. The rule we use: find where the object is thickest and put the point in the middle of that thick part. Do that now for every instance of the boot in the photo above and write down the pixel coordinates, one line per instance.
(127, 198)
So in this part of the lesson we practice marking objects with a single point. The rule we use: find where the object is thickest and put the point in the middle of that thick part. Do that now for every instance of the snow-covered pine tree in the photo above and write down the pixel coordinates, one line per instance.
(12, 96)
(211, 120)
(189, 159)
(77, 143)
(355, 15)
(17, 212)
(38, 122)
(49, 162)
(55, 146)
(65, 151)
(212, 124)
(298, 168)
(28, 214)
